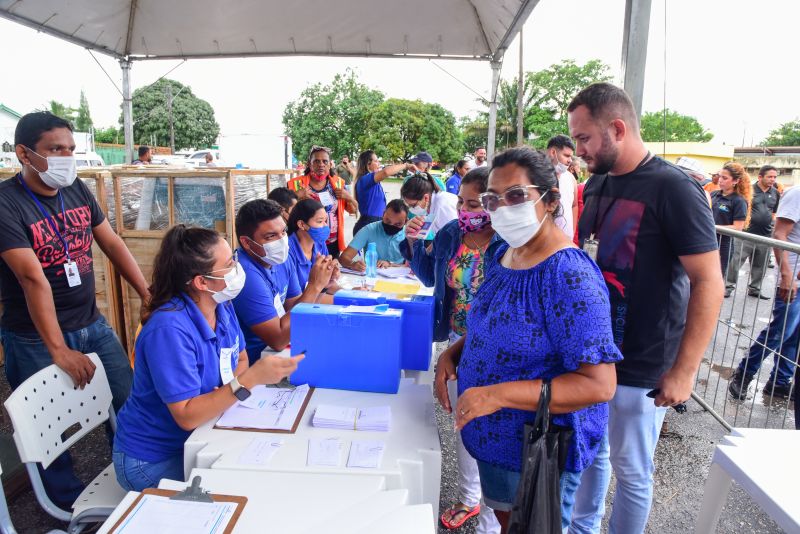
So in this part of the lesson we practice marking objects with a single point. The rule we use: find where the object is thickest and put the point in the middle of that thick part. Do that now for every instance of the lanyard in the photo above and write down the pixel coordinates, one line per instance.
(596, 226)
(50, 221)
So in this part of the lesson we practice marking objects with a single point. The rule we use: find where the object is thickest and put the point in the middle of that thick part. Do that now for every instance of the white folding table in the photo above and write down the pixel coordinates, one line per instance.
(412, 458)
(766, 463)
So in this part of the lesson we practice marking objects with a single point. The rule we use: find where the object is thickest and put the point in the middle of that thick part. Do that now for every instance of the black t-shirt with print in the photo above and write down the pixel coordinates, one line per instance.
(644, 221)
(22, 225)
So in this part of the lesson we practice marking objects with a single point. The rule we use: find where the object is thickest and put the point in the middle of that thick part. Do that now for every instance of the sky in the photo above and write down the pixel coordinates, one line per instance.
(727, 64)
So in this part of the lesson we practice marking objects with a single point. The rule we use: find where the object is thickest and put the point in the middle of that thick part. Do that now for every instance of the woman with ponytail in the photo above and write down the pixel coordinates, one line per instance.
(191, 362)
(368, 189)
(427, 203)
(731, 206)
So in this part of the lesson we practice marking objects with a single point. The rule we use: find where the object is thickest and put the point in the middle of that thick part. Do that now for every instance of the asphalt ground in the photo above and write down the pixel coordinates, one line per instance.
(682, 459)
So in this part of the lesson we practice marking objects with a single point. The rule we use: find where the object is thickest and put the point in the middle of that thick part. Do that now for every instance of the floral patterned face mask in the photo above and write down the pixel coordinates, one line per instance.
(473, 221)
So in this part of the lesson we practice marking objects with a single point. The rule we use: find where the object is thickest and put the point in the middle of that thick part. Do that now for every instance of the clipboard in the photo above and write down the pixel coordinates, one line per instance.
(239, 500)
(292, 430)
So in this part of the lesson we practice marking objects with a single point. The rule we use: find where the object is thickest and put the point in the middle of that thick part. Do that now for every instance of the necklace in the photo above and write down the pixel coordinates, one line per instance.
(475, 246)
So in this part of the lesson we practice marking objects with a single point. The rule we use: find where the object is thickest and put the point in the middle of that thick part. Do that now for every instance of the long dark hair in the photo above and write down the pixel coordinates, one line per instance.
(185, 252)
(303, 211)
(362, 168)
(419, 185)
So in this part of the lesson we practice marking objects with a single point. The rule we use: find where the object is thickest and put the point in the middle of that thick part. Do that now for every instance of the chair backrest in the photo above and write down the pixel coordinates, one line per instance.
(49, 413)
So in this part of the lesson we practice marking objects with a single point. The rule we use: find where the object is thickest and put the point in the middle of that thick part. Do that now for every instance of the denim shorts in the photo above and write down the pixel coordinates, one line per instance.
(135, 475)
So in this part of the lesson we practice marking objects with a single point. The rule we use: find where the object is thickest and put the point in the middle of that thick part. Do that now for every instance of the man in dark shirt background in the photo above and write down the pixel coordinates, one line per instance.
(47, 285)
(762, 220)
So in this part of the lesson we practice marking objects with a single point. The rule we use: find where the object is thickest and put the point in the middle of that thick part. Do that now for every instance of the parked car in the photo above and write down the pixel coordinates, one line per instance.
(85, 160)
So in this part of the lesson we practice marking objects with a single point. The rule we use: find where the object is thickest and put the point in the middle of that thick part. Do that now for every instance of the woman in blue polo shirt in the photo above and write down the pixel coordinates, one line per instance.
(308, 230)
(190, 360)
(368, 189)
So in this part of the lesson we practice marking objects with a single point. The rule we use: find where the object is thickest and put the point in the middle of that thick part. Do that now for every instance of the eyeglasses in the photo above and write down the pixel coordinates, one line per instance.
(235, 259)
(510, 197)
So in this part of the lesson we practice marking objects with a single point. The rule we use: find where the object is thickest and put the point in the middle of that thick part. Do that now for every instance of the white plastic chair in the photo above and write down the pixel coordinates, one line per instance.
(6, 527)
(45, 407)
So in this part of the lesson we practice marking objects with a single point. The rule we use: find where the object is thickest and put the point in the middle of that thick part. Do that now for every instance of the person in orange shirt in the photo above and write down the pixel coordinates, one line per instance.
(713, 185)
(318, 183)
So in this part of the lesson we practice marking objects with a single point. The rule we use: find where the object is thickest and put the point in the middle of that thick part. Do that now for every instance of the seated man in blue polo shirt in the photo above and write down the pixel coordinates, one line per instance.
(271, 288)
(387, 234)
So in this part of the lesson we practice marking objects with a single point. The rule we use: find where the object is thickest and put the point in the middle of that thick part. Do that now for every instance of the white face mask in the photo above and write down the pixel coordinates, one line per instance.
(560, 169)
(517, 224)
(418, 211)
(275, 252)
(234, 282)
(61, 171)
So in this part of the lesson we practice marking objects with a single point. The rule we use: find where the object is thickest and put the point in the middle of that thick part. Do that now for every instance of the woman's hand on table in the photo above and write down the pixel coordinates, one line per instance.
(476, 402)
(270, 370)
(445, 370)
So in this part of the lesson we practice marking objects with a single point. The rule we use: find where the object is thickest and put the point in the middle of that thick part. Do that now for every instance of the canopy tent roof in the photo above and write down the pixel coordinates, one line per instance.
(185, 29)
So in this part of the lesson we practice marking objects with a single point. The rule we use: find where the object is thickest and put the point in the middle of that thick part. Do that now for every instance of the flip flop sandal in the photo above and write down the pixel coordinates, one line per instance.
(463, 509)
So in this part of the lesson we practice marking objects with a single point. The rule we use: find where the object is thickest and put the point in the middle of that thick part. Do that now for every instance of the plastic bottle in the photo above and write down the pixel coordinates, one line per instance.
(371, 260)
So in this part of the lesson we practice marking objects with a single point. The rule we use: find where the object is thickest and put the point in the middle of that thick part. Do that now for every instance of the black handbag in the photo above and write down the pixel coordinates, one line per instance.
(537, 505)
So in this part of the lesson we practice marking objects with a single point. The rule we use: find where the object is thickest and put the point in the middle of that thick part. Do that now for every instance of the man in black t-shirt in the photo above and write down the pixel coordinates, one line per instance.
(764, 206)
(47, 284)
(652, 230)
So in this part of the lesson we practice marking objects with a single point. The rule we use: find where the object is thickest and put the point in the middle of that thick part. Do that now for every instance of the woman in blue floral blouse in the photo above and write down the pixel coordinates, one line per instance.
(541, 313)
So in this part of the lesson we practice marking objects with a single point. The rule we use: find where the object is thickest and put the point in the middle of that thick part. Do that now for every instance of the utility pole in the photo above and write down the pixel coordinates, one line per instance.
(520, 90)
(171, 123)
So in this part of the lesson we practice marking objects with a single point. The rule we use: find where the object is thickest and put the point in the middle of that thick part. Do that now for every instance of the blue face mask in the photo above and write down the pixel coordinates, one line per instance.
(319, 234)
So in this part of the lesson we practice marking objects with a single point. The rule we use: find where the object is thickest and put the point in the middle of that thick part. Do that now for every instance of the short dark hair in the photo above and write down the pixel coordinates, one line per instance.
(283, 196)
(143, 150)
(253, 213)
(304, 210)
(478, 176)
(419, 185)
(538, 168)
(397, 206)
(607, 102)
(766, 168)
(479, 148)
(32, 125)
(560, 142)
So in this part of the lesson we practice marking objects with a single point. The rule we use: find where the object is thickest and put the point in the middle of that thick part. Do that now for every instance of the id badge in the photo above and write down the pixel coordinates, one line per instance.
(73, 275)
(326, 199)
(590, 247)
(226, 365)
(278, 304)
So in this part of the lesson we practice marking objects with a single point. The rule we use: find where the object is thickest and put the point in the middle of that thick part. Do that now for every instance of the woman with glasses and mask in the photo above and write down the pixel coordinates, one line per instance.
(368, 189)
(322, 185)
(191, 363)
(542, 313)
(308, 230)
(454, 265)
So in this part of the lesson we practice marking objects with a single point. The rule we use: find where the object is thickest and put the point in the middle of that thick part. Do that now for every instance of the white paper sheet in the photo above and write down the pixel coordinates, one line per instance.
(266, 408)
(326, 452)
(260, 450)
(375, 419)
(378, 309)
(367, 454)
(155, 514)
(326, 199)
(394, 272)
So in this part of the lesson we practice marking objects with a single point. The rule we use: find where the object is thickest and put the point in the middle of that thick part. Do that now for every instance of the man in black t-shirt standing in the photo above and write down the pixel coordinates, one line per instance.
(47, 284)
(764, 206)
(649, 227)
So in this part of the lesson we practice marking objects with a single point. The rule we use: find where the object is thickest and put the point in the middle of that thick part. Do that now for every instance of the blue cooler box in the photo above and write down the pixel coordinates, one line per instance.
(417, 341)
(345, 350)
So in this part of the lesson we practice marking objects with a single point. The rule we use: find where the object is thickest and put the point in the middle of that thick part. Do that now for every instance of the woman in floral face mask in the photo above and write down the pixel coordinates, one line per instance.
(453, 264)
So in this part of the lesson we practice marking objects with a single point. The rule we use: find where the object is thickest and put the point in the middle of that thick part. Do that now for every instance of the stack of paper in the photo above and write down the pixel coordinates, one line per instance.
(376, 419)
(368, 454)
(267, 409)
(394, 272)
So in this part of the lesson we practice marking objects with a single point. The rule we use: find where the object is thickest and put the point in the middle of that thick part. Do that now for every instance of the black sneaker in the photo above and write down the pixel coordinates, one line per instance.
(738, 384)
(781, 391)
(728, 291)
(757, 294)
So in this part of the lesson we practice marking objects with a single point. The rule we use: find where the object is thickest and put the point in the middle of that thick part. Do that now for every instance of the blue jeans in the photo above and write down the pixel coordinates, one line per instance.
(136, 475)
(499, 488)
(634, 425)
(26, 354)
(776, 339)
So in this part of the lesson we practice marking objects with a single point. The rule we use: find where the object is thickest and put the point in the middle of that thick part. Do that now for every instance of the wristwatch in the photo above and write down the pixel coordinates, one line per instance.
(239, 391)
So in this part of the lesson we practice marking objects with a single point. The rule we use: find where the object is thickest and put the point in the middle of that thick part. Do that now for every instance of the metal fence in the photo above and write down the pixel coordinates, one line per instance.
(753, 335)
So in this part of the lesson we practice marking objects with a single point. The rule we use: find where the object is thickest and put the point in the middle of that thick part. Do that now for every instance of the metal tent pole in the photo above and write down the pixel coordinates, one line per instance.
(496, 66)
(634, 49)
(127, 109)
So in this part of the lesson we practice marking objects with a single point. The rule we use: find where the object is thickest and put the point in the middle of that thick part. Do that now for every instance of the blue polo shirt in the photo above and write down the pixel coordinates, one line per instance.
(388, 246)
(370, 196)
(302, 264)
(255, 304)
(453, 183)
(177, 358)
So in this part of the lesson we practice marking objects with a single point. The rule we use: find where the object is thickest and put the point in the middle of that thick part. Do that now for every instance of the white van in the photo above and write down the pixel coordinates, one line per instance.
(84, 160)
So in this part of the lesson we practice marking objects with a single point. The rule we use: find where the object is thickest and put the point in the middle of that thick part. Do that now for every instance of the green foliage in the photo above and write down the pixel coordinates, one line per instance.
(787, 134)
(193, 117)
(65, 112)
(397, 129)
(83, 119)
(109, 135)
(679, 128)
(330, 115)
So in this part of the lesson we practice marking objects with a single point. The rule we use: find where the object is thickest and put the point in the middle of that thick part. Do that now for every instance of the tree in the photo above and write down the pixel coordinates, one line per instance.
(679, 128)
(397, 129)
(109, 135)
(61, 110)
(83, 119)
(787, 134)
(195, 125)
(330, 115)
